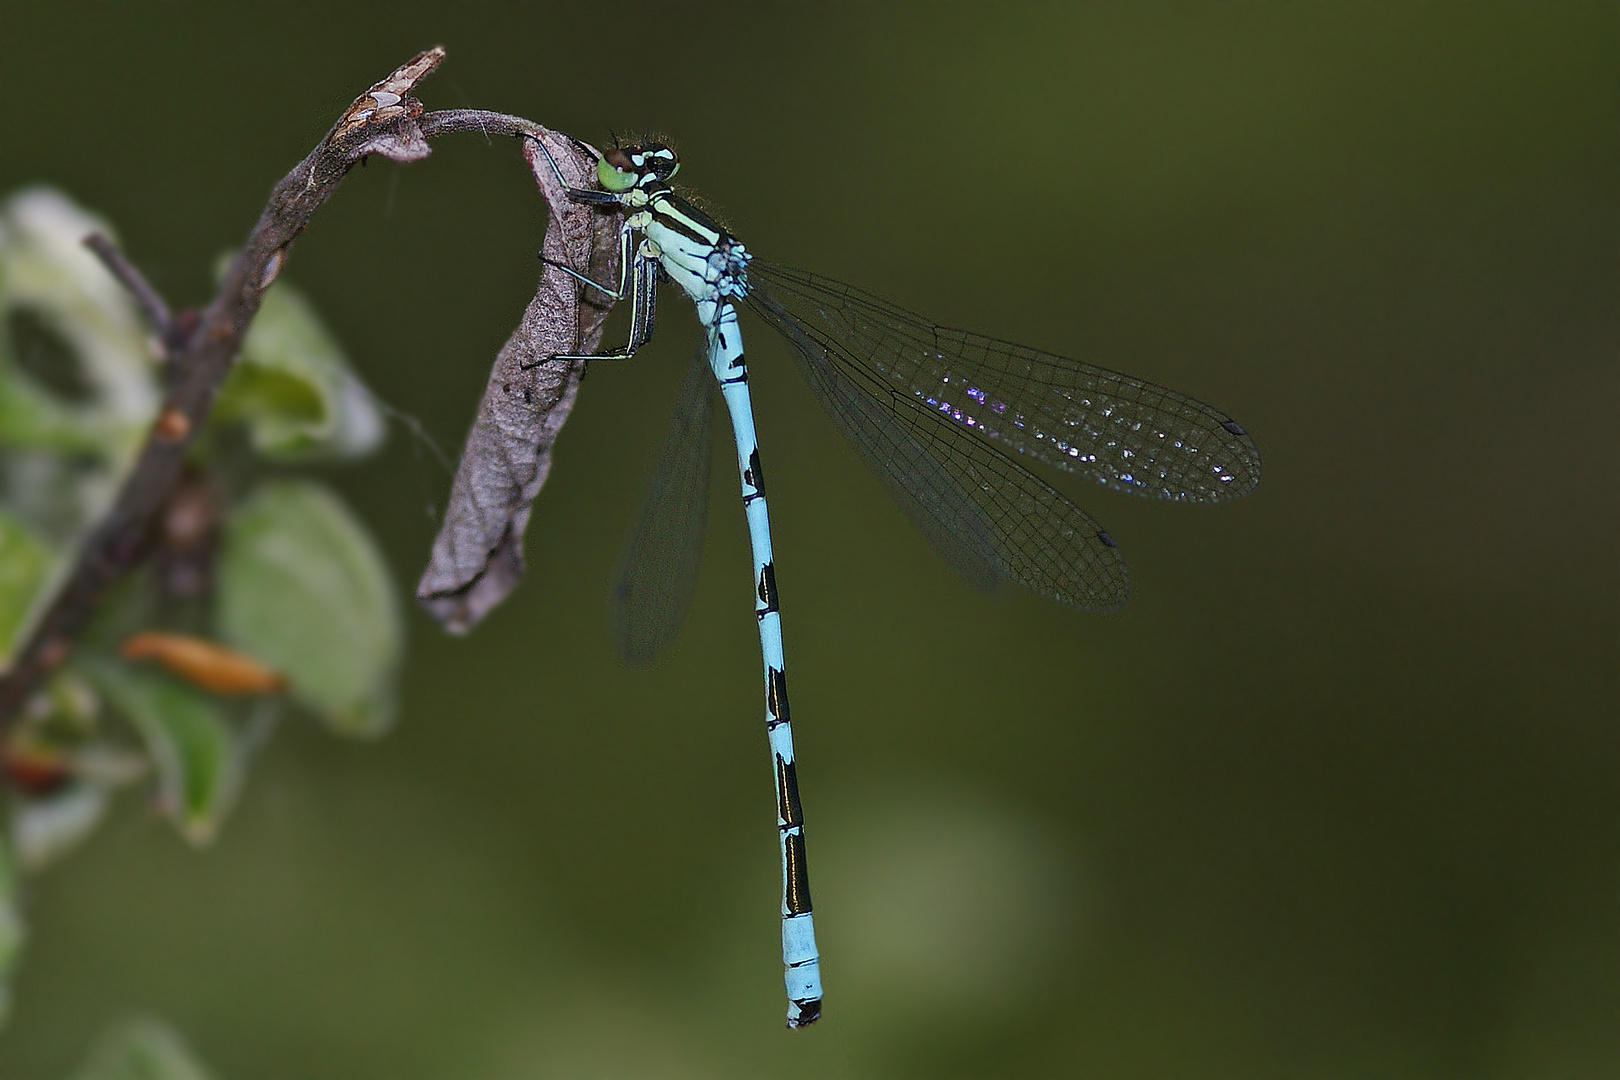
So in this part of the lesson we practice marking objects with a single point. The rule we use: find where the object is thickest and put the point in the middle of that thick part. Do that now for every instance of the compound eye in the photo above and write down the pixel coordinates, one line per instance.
(615, 172)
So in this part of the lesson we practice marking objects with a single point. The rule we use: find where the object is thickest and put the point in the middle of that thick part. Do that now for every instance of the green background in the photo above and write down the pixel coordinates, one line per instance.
(1335, 795)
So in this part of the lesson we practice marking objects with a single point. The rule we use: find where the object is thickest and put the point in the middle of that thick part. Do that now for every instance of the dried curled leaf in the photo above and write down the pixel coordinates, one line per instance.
(478, 554)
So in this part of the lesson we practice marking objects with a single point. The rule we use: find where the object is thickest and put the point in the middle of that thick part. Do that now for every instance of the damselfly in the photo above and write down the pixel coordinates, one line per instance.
(926, 407)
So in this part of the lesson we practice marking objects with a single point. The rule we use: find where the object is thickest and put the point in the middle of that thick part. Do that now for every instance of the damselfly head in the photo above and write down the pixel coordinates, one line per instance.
(640, 164)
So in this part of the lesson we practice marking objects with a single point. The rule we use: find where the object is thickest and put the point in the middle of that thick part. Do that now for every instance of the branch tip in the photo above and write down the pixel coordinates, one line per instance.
(152, 305)
(388, 99)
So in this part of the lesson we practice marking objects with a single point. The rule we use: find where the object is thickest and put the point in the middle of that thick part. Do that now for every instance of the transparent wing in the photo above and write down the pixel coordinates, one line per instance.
(658, 570)
(1127, 433)
(987, 515)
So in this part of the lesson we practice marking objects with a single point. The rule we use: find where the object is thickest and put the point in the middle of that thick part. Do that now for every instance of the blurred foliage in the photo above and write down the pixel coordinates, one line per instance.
(302, 588)
(142, 1049)
(24, 561)
(293, 389)
(189, 740)
(11, 928)
(247, 574)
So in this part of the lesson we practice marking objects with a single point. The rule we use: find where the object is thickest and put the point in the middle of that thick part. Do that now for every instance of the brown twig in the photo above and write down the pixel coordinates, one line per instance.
(444, 121)
(384, 120)
(152, 305)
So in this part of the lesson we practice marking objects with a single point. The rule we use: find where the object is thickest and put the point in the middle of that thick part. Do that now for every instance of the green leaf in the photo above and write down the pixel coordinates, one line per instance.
(46, 827)
(294, 389)
(189, 740)
(88, 389)
(142, 1050)
(303, 588)
(48, 272)
(26, 562)
(33, 418)
(12, 931)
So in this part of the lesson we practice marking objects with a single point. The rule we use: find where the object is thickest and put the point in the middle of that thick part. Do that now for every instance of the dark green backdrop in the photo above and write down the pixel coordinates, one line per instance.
(1335, 796)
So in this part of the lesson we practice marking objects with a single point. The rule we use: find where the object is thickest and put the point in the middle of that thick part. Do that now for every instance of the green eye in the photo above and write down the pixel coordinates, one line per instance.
(614, 179)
